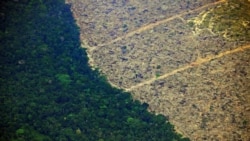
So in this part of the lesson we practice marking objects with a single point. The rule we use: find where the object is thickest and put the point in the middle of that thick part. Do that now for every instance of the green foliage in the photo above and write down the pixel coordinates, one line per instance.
(63, 78)
(158, 66)
(26, 133)
(48, 92)
(157, 74)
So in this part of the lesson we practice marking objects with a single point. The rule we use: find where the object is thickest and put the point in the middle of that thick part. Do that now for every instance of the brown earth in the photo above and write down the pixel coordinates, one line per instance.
(188, 59)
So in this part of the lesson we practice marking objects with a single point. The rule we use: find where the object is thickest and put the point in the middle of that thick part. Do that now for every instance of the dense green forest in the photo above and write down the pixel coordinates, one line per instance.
(49, 93)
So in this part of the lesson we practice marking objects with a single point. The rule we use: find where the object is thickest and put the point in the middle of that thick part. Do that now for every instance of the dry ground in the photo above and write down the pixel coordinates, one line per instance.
(188, 59)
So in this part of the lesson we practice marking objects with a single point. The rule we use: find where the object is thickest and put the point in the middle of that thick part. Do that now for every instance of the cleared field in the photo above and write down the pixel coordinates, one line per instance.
(189, 60)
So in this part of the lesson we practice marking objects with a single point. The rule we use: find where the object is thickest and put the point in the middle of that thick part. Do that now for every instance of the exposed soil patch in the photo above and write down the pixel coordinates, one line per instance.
(189, 60)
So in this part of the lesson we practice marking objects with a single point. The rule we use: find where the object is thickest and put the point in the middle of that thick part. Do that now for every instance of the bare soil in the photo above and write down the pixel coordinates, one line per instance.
(188, 59)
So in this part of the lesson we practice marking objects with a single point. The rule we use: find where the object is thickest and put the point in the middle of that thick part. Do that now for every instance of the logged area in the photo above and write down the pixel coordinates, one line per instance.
(189, 60)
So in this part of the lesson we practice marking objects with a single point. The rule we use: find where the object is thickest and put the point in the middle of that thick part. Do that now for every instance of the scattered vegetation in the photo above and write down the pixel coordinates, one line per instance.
(230, 20)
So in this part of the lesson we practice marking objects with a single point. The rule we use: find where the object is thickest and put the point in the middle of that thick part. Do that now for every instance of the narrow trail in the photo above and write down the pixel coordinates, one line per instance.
(198, 62)
(152, 25)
